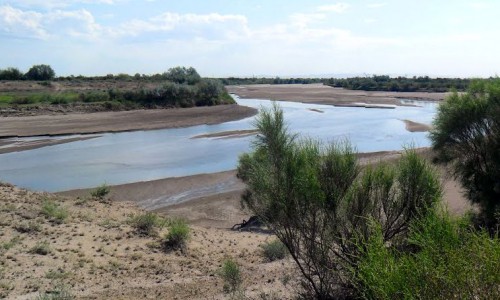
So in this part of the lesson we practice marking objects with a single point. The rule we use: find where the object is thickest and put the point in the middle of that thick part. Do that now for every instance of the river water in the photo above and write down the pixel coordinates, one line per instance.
(117, 158)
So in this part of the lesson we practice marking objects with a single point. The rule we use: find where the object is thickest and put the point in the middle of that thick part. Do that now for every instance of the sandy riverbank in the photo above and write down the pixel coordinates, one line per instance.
(121, 121)
(102, 122)
(213, 200)
(322, 94)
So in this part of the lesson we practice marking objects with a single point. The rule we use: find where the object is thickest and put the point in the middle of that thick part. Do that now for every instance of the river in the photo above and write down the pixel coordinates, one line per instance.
(117, 158)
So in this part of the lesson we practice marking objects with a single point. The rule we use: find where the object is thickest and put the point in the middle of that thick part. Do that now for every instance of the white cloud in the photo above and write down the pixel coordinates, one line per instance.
(51, 4)
(185, 26)
(17, 23)
(50, 25)
(303, 20)
(376, 5)
(336, 8)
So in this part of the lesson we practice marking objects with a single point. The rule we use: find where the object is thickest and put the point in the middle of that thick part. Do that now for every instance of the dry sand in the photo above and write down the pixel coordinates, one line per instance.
(323, 94)
(121, 121)
(96, 254)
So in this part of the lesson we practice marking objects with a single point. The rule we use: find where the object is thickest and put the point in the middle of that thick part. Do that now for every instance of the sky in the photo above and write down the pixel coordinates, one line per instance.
(245, 38)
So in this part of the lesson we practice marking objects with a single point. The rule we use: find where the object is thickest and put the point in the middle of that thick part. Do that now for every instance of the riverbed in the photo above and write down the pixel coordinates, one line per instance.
(118, 158)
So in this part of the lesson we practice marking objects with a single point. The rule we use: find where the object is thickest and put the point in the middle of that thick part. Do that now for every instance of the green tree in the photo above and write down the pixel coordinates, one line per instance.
(466, 136)
(209, 92)
(321, 204)
(40, 72)
(11, 74)
(182, 75)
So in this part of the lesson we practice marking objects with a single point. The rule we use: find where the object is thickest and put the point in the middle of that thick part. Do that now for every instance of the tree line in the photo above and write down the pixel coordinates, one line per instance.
(178, 87)
(400, 84)
(36, 72)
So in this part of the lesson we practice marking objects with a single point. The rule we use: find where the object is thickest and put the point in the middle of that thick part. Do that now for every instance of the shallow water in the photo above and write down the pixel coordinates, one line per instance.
(118, 158)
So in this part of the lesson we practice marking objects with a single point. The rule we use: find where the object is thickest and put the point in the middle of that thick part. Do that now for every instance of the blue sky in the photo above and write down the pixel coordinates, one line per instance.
(253, 37)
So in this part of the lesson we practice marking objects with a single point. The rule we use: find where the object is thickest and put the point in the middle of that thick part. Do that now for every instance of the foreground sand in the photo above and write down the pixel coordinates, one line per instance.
(96, 254)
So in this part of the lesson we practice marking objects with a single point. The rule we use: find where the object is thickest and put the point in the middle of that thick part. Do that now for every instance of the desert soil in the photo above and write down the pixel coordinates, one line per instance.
(96, 253)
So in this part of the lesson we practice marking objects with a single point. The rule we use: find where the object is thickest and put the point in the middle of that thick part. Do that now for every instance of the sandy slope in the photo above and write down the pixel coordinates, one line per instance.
(96, 254)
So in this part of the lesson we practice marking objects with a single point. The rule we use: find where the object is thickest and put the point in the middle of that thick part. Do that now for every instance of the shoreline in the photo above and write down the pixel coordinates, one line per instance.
(109, 122)
(214, 199)
(122, 121)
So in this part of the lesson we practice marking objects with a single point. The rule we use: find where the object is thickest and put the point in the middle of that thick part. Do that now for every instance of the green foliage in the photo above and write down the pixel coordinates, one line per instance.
(100, 192)
(41, 248)
(40, 72)
(321, 204)
(54, 211)
(450, 261)
(177, 236)
(274, 250)
(11, 74)
(182, 75)
(231, 274)
(145, 223)
(400, 84)
(466, 135)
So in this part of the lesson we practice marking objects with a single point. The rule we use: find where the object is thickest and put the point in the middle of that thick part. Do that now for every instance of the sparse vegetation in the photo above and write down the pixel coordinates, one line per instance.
(28, 227)
(41, 248)
(231, 275)
(177, 235)
(100, 193)
(54, 211)
(60, 292)
(145, 223)
(274, 250)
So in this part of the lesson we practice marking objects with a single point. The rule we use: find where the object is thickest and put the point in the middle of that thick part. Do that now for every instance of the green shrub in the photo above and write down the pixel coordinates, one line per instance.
(41, 248)
(274, 250)
(54, 211)
(231, 274)
(100, 192)
(177, 235)
(145, 223)
(449, 261)
(466, 136)
(320, 202)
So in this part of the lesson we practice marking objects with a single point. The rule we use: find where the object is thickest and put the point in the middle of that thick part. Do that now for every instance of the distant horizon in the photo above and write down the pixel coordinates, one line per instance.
(227, 38)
